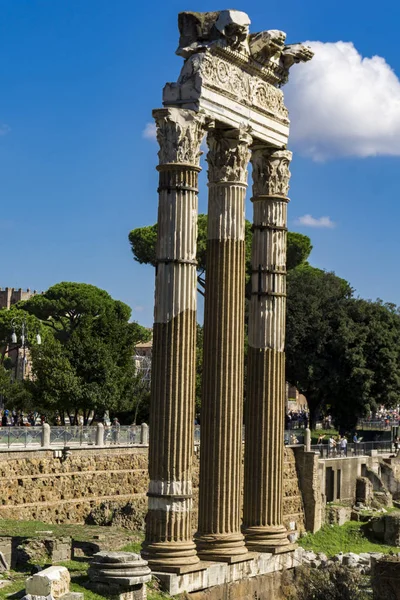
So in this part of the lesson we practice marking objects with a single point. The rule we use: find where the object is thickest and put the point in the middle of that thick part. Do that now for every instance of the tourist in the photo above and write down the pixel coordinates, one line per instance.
(396, 443)
(331, 445)
(115, 431)
(132, 433)
(343, 446)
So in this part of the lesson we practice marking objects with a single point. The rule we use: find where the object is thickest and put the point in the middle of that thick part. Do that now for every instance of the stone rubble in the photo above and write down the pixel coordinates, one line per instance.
(363, 561)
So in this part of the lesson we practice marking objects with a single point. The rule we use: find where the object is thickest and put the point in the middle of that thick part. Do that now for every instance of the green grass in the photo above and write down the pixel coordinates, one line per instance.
(80, 533)
(350, 537)
(77, 569)
(17, 585)
(315, 433)
(133, 547)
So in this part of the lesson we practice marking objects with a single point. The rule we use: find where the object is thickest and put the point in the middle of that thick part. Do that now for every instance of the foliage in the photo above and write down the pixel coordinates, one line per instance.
(15, 393)
(350, 537)
(86, 365)
(143, 242)
(342, 353)
(332, 583)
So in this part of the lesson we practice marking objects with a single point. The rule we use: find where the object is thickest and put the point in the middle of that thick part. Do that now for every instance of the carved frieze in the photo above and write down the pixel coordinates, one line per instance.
(231, 80)
(179, 134)
(228, 155)
(271, 172)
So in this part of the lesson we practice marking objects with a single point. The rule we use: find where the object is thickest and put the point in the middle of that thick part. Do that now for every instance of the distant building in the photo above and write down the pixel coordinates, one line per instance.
(144, 349)
(19, 355)
(10, 296)
(142, 358)
(295, 401)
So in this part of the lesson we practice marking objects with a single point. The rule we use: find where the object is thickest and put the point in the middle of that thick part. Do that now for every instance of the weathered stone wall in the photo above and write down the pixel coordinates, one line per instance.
(100, 485)
(35, 485)
(262, 587)
(309, 478)
(390, 473)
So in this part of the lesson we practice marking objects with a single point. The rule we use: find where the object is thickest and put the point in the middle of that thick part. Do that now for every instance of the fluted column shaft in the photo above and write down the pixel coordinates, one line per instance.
(265, 399)
(168, 541)
(219, 536)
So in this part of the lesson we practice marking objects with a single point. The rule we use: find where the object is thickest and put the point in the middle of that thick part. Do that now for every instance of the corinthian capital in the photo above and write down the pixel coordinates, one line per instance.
(271, 172)
(228, 155)
(179, 134)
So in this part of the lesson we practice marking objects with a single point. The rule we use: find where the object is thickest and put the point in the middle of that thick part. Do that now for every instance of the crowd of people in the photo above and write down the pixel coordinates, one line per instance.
(337, 445)
(296, 419)
(19, 419)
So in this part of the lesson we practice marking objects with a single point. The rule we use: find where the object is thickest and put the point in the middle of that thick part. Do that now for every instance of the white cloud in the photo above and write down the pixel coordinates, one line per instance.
(4, 129)
(149, 132)
(342, 104)
(321, 222)
(138, 308)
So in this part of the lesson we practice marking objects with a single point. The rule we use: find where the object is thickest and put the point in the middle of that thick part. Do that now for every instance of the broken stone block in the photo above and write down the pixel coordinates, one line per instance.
(53, 581)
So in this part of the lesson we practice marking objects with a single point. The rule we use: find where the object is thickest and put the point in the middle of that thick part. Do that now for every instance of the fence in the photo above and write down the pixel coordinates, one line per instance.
(354, 449)
(70, 436)
(380, 425)
(76, 436)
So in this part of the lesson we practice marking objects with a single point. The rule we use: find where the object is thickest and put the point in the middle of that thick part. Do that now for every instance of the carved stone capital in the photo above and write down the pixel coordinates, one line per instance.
(179, 134)
(228, 155)
(271, 172)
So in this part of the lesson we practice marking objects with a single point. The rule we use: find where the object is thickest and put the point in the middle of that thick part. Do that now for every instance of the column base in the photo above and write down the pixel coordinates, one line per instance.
(167, 555)
(222, 547)
(267, 539)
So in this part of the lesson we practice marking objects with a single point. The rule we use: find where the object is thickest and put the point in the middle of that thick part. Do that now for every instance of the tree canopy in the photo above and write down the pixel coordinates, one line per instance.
(143, 242)
(342, 352)
(86, 364)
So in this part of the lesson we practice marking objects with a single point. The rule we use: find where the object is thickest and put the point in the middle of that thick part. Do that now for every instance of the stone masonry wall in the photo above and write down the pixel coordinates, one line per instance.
(309, 478)
(93, 482)
(34, 485)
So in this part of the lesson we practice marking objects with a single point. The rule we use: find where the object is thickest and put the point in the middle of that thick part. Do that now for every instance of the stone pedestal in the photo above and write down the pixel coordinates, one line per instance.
(144, 434)
(100, 434)
(46, 432)
(168, 539)
(265, 403)
(242, 580)
(119, 575)
(219, 536)
(307, 439)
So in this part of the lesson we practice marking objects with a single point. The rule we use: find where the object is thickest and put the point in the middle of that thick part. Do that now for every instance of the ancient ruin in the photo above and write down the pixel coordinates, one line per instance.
(228, 91)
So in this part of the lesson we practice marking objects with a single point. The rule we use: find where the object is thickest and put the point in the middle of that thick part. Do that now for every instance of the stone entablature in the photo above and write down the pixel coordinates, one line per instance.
(235, 76)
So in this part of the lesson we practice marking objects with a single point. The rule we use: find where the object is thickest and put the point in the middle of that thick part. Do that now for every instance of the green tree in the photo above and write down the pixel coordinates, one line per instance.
(342, 353)
(143, 242)
(87, 364)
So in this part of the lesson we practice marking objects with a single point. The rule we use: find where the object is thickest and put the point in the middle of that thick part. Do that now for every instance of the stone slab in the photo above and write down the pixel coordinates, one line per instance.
(182, 570)
(219, 573)
(52, 581)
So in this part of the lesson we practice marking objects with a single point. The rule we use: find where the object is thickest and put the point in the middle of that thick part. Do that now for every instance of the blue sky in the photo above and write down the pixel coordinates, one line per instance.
(79, 79)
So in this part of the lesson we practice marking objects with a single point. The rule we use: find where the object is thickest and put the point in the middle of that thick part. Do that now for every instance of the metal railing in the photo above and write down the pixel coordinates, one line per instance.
(20, 436)
(72, 436)
(377, 424)
(125, 435)
(293, 437)
(353, 449)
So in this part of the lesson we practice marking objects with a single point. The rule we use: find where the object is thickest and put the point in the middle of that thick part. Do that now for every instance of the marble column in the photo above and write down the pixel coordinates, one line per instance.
(168, 543)
(265, 399)
(219, 536)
